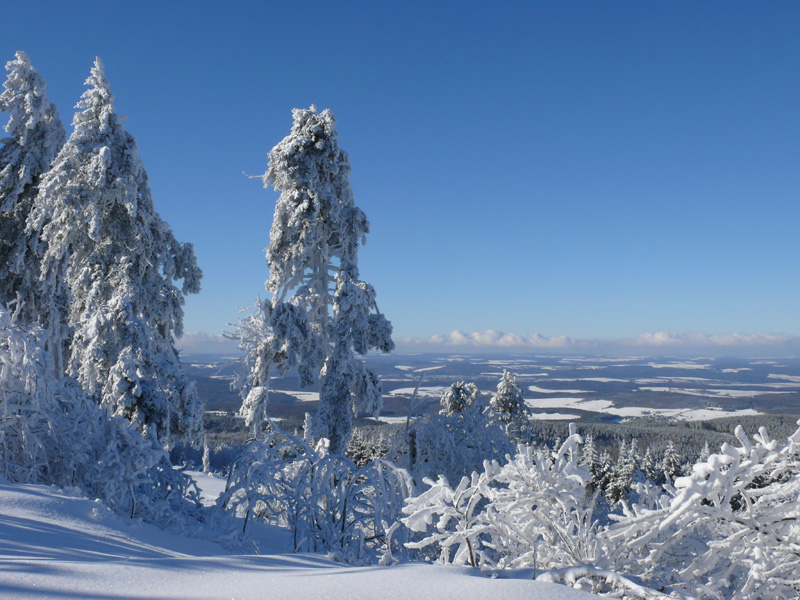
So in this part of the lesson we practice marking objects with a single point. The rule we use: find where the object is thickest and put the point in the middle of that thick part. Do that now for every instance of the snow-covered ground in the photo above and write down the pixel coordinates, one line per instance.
(627, 412)
(393, 420)
(435, 391)
(53, 545)
(540, 390)
(302, 396)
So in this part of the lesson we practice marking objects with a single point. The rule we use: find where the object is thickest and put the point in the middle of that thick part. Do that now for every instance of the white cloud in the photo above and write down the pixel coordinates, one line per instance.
(656, 341)
(200, 342)
(491, 338)
(671, 338)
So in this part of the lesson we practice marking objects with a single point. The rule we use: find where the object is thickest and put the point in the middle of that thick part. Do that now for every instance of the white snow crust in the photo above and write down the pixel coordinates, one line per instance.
(56, 546)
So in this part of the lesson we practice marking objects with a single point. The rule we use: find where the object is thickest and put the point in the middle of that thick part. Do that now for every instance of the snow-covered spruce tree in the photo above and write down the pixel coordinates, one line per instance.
(321, 316)
(455, 442)
(622, 473)
(459, 398)
(648, 466)
(120, 262)
(36, 134)
(670, 464)
(509, 406)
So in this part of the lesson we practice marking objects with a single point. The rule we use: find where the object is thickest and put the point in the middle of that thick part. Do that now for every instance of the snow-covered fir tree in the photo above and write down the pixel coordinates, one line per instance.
(509, 406)
(670, 465)
(704, 453)
(36, 134)
(603, 475)
(321, 315)
(120, 262)
(623, 472)
(615, 489)
(590, 459)
(460, 397)
(648, 466)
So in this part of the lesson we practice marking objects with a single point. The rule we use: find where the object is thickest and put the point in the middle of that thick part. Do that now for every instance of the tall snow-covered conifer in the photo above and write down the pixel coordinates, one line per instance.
(321, 316)
(36, 135)
(120, 262)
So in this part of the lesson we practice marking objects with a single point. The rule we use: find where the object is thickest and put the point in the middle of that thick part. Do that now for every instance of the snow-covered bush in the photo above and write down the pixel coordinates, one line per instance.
(538, 513)
(454, 520)
(530, 512)
(327, 502)
(52, 433)
(729, 529)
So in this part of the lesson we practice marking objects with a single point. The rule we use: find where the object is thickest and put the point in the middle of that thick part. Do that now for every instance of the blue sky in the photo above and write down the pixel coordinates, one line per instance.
(589, 169)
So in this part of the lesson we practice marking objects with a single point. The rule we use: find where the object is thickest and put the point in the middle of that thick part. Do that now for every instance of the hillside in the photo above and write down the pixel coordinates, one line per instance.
(53, 545)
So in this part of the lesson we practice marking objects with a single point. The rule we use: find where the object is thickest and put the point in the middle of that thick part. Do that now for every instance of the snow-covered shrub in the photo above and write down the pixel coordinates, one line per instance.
(52, 433)
(532, 511)
(729, 529)
(538, 514)
(454, 520)
(28, 402)
(327, 502)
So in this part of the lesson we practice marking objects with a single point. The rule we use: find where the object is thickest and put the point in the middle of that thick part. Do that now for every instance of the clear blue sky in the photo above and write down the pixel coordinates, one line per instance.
(592, 169)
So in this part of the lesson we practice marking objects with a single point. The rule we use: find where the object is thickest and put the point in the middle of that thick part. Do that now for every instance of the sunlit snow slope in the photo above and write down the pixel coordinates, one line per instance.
(56, 546)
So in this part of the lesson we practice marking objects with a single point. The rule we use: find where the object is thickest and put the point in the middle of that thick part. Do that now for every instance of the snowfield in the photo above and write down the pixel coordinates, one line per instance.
(53, 545)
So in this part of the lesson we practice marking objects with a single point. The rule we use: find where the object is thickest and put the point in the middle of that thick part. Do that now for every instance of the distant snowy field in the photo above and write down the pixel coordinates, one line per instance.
(56, 546)
(572, 388)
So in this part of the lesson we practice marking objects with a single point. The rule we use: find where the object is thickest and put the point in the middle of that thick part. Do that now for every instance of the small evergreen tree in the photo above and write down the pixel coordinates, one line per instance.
(119, 260)
(617, 486)
(509, 406)
(648, 466)
(605, 469)
(590, 459)
(704, 453)
(460, 397)
(671, 465)
(36, 134)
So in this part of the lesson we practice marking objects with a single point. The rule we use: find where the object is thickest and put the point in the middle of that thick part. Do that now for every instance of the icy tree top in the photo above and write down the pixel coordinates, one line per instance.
(35, 129)
(99, 179)
(315, 217)
(97, 120)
